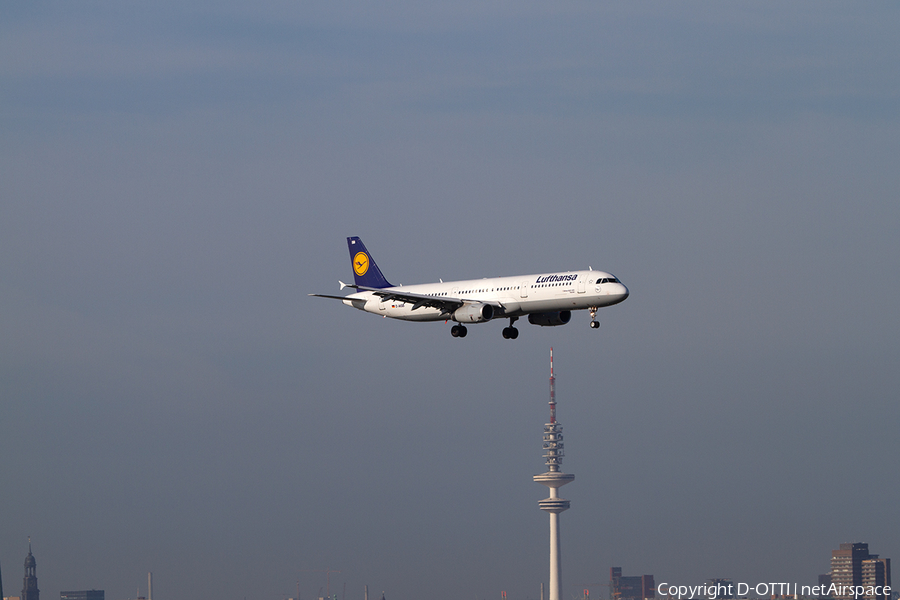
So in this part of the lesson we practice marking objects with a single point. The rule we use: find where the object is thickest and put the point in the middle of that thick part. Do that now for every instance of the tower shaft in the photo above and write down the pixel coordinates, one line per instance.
(555, 558)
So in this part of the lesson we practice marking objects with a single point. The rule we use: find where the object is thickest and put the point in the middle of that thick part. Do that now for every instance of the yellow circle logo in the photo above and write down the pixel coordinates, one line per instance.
(360, 263)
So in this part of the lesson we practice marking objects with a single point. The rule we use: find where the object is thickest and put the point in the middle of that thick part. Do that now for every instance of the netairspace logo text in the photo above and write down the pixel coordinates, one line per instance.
(765, 590)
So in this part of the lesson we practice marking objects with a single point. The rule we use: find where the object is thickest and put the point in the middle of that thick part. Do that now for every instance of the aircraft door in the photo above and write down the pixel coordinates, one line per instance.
(523, 289)
(580, 284)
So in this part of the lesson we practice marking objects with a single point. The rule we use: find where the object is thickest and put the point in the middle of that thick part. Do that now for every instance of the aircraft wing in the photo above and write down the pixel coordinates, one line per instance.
(444, 304)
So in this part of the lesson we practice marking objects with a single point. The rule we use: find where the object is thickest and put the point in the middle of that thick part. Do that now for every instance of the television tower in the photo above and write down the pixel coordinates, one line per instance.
(554, 479)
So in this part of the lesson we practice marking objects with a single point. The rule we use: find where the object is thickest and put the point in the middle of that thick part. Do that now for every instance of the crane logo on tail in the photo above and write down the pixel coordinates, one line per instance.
(360, 263)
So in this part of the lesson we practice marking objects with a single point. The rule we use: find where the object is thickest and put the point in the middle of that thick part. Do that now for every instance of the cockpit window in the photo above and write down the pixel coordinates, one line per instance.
(607, 280)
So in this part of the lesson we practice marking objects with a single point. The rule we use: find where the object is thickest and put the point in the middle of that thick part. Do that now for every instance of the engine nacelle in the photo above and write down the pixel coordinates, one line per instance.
(475, 312)
(550, 319)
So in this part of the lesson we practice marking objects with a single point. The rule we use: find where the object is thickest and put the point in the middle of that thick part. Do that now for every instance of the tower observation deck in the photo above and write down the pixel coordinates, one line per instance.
(554, 479)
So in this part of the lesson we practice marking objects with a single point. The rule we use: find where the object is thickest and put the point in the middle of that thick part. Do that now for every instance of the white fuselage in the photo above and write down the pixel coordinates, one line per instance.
(548, 292)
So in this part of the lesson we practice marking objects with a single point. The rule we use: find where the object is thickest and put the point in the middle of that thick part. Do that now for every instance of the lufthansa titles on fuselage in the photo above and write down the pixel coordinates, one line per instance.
(556, 278)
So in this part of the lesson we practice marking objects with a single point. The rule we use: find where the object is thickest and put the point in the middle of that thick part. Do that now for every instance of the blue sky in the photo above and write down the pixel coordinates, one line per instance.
(175, 179)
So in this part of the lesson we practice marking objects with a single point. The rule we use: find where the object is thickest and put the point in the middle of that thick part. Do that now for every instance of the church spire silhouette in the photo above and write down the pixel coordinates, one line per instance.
(30, 589)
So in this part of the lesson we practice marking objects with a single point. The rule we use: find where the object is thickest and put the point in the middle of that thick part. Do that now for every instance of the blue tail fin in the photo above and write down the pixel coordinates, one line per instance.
(365, 271)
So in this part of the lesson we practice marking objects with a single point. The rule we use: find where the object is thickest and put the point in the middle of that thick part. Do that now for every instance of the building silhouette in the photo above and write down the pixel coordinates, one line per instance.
(635, 587)
(82, 595)
(846, 564)
(852, 566)
(876, 573)
(30, 589)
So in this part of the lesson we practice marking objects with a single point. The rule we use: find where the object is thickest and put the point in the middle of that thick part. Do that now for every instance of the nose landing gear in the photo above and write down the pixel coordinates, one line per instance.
(595, 324)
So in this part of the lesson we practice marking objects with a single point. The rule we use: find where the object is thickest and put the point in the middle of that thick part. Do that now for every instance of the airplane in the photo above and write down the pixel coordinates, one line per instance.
(547, 299)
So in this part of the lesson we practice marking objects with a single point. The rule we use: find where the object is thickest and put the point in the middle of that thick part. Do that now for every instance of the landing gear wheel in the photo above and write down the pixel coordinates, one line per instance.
(510, 333)
(595, 324)
(462, 331)
(454, 331)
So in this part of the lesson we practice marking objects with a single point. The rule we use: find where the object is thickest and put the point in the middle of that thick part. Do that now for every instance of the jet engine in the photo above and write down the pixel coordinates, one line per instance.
(474, 312)
(550, 319)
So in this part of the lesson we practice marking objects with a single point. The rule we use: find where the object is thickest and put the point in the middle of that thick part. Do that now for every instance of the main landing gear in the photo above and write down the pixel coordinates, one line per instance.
(511, 333)
(595, 324)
